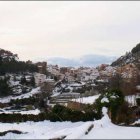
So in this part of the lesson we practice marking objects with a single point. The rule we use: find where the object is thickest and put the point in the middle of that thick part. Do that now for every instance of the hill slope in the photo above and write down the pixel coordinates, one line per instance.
(131, 57)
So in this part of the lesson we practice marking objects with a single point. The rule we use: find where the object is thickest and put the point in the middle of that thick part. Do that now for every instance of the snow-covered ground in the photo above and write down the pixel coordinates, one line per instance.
(111, 131)
(105, 129)
(87, 100)
(102, 129)
(27, 95)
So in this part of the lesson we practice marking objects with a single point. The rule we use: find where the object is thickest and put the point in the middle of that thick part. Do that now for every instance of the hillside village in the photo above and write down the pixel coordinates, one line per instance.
(38, 88)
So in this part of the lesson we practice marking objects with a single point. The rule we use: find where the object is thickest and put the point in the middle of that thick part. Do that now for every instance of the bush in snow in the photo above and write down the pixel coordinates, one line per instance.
(112, 99)
(125, 114)
(24, 101)
(61, 113)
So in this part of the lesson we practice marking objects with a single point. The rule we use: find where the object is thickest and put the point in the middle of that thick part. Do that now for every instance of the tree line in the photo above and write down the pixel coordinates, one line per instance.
(16, 66)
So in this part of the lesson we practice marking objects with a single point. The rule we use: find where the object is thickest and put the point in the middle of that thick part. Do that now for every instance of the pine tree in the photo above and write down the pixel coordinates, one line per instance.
(5, 89)
(23, 81)
(32, 81)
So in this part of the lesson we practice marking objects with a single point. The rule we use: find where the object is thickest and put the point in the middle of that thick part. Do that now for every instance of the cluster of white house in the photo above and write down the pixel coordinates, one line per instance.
(81, 74)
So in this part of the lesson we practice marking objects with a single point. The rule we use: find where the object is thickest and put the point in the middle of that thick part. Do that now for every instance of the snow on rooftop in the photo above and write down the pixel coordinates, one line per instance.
(87, 100)
(71, 93)
(49, 80)
(76, 85)
(101, 80)
(33, 112)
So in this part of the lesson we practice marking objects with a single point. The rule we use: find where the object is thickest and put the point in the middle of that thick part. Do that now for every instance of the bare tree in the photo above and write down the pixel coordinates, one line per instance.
(46, 91)
(115, 81)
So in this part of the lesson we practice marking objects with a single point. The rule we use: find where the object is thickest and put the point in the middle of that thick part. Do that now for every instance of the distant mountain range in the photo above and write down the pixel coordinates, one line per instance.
(92, 60)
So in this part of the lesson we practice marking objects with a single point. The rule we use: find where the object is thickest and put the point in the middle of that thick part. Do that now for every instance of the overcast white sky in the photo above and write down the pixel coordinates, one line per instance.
(36, 29)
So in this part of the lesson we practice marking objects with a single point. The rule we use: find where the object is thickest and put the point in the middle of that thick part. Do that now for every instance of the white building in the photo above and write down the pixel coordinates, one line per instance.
(39, 78)
(89, 74)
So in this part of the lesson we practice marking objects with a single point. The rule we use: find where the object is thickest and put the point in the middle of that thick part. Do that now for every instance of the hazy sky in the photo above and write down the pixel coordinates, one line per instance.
(36, 29)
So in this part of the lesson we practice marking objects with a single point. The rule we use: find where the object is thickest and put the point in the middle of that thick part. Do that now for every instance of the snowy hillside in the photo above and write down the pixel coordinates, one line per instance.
(27, 95)
(129, 57)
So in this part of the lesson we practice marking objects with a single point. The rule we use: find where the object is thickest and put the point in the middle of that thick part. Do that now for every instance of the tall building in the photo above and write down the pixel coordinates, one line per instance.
(42, 66)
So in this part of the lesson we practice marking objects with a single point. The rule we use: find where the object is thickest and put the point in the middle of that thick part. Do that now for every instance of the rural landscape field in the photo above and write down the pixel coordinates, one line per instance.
(69, 70)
